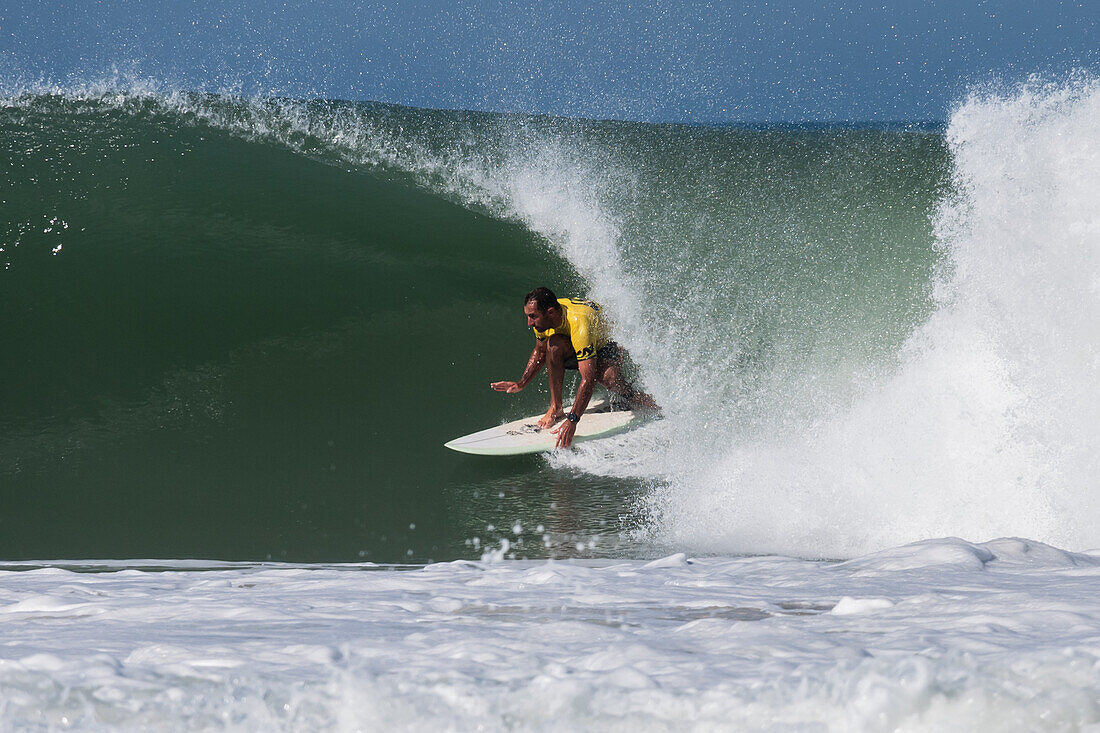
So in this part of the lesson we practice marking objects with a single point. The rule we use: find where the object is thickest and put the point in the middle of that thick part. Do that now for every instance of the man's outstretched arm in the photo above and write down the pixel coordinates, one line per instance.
(534, 364)
(565, 431)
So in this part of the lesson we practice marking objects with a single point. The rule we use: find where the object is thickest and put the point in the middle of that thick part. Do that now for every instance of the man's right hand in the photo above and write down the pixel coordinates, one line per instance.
(509, 387)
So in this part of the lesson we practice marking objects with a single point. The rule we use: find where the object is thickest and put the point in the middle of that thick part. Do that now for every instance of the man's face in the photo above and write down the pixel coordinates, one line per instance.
(540, 320)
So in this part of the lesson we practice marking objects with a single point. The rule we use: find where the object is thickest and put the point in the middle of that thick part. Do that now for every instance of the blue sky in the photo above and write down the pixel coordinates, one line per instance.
(780, 60)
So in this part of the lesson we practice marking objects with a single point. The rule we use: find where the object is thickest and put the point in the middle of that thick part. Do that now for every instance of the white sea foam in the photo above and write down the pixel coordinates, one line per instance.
(942, 635)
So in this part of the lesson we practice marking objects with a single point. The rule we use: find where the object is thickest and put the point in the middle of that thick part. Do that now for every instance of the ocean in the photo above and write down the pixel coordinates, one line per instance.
(238, 330)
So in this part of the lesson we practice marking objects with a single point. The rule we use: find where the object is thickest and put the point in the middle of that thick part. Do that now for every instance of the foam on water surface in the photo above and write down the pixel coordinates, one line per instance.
(942, 635)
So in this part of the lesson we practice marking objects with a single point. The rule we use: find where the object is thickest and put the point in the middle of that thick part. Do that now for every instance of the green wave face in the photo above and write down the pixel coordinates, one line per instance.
(243, 329)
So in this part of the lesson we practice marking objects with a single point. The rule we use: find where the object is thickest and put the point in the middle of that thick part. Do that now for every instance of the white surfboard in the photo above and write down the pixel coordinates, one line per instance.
(524, 436)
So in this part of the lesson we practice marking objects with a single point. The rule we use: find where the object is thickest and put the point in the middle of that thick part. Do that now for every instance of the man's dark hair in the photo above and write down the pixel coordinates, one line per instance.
(543, 298)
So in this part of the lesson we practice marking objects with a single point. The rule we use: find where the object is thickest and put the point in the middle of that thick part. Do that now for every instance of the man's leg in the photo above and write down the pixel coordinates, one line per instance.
(559, 350)
(609, 373)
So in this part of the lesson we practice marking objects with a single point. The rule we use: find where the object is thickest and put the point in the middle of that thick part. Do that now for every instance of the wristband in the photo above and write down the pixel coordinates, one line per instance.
(572, 417)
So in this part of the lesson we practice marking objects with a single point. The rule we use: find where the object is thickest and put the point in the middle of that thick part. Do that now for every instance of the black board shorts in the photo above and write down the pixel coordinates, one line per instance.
(610, 351)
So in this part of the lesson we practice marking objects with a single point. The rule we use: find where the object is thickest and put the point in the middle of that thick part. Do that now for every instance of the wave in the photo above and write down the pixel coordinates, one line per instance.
(861, 337)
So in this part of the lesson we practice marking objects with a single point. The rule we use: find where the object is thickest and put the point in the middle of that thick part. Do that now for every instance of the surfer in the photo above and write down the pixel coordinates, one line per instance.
(570, 335)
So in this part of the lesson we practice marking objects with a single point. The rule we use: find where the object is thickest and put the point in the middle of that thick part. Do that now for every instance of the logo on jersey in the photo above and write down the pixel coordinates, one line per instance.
(590, 303)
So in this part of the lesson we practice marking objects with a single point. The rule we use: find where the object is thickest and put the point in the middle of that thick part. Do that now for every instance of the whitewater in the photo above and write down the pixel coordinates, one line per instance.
(940, 635)
(871, 504)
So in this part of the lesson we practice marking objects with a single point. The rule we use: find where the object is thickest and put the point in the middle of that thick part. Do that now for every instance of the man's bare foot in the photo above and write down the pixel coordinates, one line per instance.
(551, 418)
(644, 403)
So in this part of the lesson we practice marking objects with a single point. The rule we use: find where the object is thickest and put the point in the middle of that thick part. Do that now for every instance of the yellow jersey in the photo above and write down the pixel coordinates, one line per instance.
(581, 323)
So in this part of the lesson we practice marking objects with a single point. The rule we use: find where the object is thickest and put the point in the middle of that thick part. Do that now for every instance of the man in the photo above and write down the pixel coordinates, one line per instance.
(570, 335)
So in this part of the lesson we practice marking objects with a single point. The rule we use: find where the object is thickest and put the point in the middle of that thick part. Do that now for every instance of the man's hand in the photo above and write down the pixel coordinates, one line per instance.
(565, 433)
(509, 387)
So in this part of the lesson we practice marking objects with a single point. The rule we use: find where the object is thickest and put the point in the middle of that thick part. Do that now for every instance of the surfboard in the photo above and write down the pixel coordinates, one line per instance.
(520, 437)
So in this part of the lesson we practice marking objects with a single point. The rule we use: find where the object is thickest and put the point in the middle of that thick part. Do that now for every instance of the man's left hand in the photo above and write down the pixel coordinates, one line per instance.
(565, 434)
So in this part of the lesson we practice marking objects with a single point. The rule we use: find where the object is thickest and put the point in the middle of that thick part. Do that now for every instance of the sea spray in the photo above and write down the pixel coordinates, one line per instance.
(988, 426)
